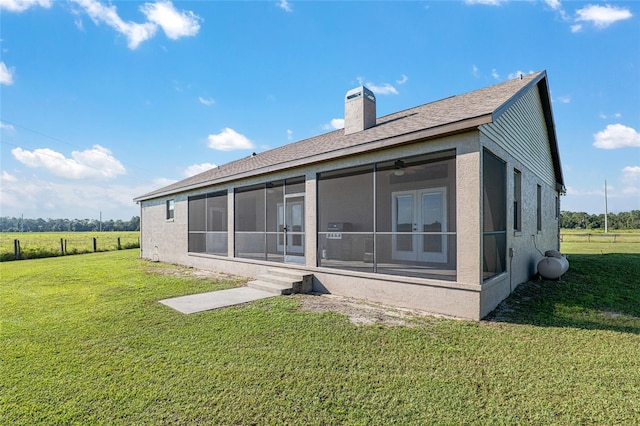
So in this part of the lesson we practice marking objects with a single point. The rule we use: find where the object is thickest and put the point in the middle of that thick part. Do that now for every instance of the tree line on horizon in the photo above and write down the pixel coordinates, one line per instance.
(615, 221)
(17, 224)
(568, 220)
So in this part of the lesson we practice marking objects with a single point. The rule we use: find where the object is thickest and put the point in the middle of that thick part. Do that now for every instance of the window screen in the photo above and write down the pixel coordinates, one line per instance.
(494, 214)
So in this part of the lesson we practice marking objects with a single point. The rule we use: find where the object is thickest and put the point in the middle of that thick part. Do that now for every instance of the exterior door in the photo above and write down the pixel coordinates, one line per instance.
(291, 221)
(419, 216)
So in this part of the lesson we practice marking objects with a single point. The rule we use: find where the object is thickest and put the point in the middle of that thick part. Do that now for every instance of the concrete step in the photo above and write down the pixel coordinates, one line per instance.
(283, 281)
(271, 287)
(302, 282)
(286, 273)
(278, 280)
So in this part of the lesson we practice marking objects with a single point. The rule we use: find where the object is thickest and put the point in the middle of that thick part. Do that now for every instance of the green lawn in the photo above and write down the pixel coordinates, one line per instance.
(585, 241)
(83, 340)
(35, 245)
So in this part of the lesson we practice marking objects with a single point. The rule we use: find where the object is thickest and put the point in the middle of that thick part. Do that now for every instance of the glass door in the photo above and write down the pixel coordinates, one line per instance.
(419, 216)
(404, 225)
(433, 219)
(293, 226)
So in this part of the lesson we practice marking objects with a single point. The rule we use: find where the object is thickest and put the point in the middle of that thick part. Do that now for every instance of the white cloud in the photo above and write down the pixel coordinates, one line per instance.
(631, 179)
(36, 197)
(335, 124)
(616, 136)
(195, 169)
(174, 24)
(475, 71)
(495, 74)
(134, 32)
(22, 5)
(8, 178)
(378, 89)
(206, 101)
(229, 140)
(96, 163)
(553, 4)
(518, 74)
(631, 174)
(289, 134)
(564, 99)
(404, 79)
(602, 16)
(79, 24)
(485, 2)
(284, 5)
(576, 28)
(384, 89)
(6, 126)
(6, 74)
(614, 115)
(586, 192)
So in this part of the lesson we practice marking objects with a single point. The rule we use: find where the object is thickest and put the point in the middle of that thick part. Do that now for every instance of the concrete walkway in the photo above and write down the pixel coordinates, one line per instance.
(215, 299)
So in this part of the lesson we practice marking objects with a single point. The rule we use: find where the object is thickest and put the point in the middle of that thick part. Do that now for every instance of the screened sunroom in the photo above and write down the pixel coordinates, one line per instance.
(394, 217)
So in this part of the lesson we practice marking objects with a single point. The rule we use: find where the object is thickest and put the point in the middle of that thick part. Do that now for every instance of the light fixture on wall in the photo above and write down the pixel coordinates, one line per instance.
(399, 168)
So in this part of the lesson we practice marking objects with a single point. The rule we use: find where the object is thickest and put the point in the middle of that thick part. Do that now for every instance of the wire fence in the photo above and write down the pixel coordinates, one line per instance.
(600, 238)
(15, 246)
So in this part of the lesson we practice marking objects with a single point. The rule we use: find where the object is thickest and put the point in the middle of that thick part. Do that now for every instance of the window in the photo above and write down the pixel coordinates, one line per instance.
(395, 217)
(517, 200)
(170, 209)
(539, 207)
(494, 235)
(208, 223)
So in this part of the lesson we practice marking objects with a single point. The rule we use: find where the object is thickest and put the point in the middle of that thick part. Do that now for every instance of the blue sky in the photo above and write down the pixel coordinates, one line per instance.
(104, 101)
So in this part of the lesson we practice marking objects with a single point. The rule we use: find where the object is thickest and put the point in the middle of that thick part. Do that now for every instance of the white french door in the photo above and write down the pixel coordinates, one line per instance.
(418, 218)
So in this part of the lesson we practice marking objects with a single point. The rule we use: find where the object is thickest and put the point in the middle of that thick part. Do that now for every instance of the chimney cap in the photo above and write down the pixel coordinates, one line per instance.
(359, 92)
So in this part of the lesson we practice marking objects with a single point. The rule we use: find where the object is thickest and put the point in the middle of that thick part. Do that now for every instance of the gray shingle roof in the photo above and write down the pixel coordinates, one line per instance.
(446, 116)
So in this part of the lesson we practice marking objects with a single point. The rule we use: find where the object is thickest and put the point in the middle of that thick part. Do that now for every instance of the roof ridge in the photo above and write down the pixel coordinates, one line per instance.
(436, 114)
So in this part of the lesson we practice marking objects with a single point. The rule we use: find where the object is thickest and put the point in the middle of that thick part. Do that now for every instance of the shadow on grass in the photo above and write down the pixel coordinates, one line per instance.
(598, 292)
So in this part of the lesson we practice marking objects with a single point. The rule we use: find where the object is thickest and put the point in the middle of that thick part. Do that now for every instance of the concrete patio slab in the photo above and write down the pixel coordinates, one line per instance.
(215, 299)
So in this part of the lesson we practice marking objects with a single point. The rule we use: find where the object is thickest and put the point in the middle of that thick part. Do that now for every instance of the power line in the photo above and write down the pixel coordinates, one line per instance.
(14, 124)
(40, 133)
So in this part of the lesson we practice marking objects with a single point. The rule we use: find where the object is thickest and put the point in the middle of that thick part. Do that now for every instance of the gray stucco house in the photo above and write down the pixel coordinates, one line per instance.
(444, 207)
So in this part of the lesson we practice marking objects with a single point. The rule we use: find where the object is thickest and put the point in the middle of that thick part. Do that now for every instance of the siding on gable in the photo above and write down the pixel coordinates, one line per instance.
(522, 132)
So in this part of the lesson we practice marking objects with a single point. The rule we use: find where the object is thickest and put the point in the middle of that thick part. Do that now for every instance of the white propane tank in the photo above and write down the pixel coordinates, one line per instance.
(553, 253)
(553, 266)
(550, 268)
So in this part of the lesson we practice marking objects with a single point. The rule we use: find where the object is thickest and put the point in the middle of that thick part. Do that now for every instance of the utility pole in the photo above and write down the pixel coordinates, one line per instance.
(100, 227)
(606, 223)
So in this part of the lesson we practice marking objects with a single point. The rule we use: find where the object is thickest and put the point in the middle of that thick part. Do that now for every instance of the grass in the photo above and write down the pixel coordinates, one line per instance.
(36, 245)
(582, 241)
(83, 340)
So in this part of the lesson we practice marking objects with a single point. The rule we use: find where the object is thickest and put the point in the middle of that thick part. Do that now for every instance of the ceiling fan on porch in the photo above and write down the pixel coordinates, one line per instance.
(400, 168)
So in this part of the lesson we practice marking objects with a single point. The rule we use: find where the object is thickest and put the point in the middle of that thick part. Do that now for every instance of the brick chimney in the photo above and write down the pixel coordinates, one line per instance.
(359, 110)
